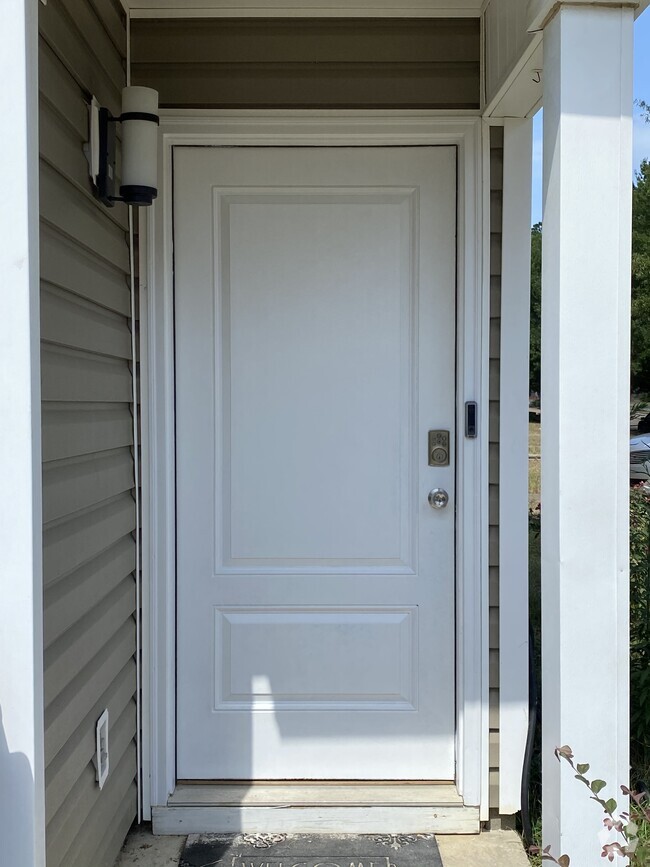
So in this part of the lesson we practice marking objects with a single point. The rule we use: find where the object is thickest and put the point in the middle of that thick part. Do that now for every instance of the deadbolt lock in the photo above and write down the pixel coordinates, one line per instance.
(438, 448)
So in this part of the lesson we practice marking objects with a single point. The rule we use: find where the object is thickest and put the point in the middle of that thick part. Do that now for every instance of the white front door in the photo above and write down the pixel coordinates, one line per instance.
(315, 350)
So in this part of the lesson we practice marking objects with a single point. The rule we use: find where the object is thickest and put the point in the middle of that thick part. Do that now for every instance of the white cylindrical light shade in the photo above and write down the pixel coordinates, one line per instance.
(139, 183)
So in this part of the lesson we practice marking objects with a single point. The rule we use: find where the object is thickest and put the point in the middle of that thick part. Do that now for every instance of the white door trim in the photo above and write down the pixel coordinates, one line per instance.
(324, 129)
(513, 463)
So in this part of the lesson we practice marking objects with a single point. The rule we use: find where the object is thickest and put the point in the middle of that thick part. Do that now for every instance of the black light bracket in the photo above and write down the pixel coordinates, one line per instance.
(138, 115)
(106, 180)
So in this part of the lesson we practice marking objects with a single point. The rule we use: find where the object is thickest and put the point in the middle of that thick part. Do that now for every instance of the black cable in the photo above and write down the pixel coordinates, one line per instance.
(533, 706)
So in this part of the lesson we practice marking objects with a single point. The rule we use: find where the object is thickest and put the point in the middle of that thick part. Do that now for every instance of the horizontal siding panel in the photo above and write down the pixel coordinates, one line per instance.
(87, 436)
(496, 218)
(77, 483)
(104, 51)
(61, 91)
(74, 212)
(494, 628)
(497, 133)
(119, 789)
(275, 40)
(67, 657)
(67, 766)
(71, 543)
(116, 831)
(63, 715)
(496, 168)
(494, 665)
(67, 321)
(494, 749)
(64, 263)
(79, 429)
(493, 505)
(113, 19)
(66, 41)
(495, 297)
(495, 254)
(495, 340)
(495, 378)
(494, 464)
(312, 85)
(76, 376)
(494, 421)
(496, 210)
(73, 598)
(61, 147)
(69, 820)
(494, 584)
(494, 789)
(493, 545)
(494, 709)
(309, 63)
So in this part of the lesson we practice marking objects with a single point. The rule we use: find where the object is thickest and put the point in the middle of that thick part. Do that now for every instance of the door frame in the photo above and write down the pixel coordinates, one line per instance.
(468, 133)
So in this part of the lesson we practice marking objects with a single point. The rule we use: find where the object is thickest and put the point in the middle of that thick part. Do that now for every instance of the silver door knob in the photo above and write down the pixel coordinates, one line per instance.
(438, 498)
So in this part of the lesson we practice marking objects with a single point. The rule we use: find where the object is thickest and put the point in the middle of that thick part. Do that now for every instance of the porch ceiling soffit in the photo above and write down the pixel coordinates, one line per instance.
(304, 8)
(540, 12)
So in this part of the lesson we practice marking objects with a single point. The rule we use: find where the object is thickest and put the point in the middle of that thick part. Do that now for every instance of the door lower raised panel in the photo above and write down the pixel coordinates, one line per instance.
(315, 350)
(261, 663)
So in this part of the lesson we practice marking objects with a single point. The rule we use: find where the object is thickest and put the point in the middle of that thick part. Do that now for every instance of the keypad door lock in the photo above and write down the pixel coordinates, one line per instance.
(438, 448)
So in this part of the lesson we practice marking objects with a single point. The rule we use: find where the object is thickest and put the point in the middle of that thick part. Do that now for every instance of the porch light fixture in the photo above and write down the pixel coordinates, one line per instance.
(139, 119)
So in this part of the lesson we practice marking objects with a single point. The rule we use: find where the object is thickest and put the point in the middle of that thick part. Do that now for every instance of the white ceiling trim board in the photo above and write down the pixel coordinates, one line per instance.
(304, 9)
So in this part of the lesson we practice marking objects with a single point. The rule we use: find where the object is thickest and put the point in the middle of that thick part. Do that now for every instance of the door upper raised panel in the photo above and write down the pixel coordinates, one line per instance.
(316, 312)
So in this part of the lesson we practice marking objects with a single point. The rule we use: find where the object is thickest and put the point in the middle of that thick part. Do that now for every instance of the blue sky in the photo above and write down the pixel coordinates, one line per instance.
(641, 129)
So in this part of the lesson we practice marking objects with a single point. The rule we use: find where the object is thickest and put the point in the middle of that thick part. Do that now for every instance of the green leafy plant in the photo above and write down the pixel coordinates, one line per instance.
(632, 828)
(640, 628)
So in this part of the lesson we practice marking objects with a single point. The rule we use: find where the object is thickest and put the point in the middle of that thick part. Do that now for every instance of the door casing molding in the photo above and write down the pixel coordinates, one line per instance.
(323, 129)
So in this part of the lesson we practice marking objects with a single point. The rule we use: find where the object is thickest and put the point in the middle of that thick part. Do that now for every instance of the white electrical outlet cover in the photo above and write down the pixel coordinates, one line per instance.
(101, 749)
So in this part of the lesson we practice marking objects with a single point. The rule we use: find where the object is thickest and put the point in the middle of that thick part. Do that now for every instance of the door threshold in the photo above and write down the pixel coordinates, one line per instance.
(306, 807)
(310, 793)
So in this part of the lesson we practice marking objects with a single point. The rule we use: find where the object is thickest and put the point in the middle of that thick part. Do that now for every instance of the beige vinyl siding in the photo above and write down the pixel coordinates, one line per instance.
(87, 438)
(345, 63)
(496, 200)
(506, 39)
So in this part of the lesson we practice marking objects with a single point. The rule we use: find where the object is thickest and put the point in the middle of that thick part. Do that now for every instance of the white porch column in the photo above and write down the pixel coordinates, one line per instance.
(22, 813)
(585, 411)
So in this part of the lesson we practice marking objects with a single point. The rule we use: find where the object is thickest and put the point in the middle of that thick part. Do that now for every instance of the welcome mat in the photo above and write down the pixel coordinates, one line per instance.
(310, 850)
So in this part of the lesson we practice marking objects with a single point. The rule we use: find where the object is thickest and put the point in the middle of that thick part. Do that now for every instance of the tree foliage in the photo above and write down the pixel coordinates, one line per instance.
(641, 280)
(535, 307)
(640, 288)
